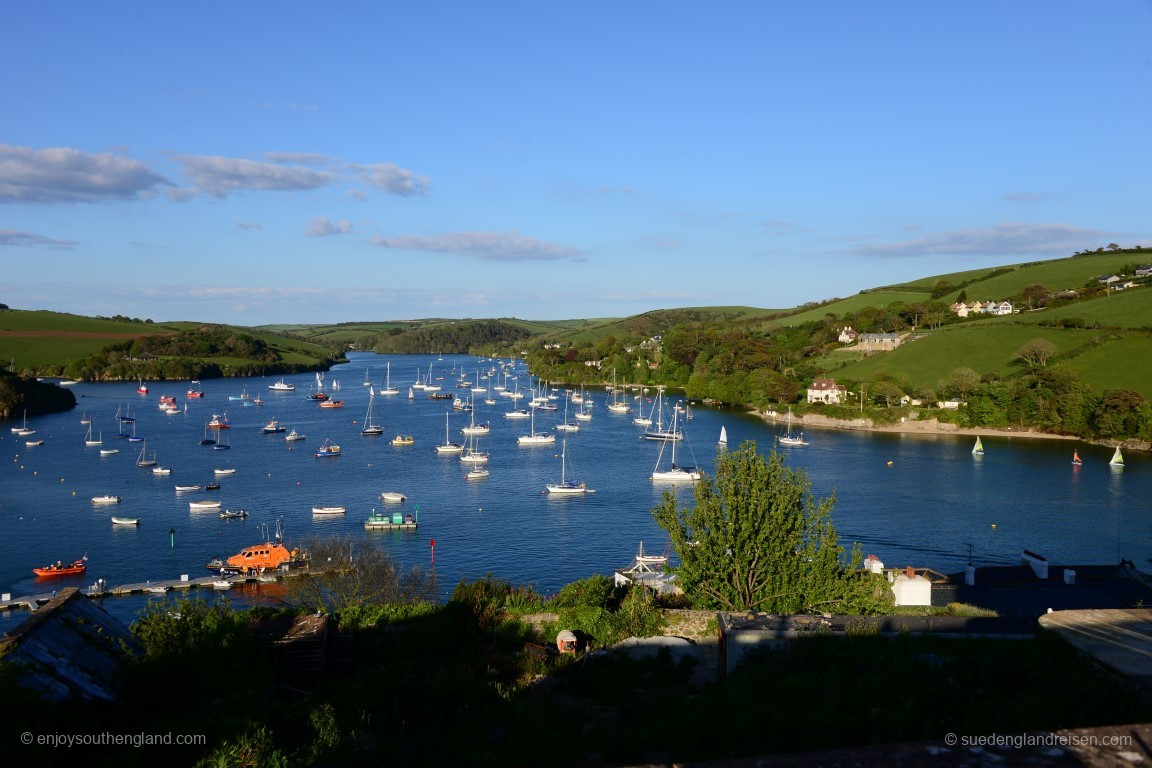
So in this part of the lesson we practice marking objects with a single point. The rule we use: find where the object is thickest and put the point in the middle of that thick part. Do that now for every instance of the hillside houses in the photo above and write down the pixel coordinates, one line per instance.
(982, 308)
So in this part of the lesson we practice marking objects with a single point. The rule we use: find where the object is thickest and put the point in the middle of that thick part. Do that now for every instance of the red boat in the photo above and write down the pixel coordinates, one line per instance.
(60, 569)
(332, 404)
(167, 399)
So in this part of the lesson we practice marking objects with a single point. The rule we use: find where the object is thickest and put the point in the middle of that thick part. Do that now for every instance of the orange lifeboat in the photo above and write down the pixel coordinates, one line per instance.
(268, 556)
(74, 568)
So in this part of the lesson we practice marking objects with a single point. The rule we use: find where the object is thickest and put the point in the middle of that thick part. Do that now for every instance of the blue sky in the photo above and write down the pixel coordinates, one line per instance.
(325, 162)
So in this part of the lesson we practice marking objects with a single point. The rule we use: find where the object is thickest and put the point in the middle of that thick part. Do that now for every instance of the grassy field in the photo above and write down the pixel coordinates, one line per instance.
(1058, 275)
(39, 320)
(850, 304)
(1124, 309)
(1124, 363)
(34, 340)
(981, 347)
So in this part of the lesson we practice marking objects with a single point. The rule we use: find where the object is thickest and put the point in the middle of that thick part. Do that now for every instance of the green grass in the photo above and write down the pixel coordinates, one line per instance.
(855, 303)
(1124, 309)
(1124, 363)
(1056, 275)
(40, 320)
(979, 346)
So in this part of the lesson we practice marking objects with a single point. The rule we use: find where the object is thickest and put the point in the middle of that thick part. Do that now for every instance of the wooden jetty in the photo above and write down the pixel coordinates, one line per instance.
(100, 589)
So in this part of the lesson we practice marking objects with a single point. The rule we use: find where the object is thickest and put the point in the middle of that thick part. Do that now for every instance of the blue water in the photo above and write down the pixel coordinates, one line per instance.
(928, 507)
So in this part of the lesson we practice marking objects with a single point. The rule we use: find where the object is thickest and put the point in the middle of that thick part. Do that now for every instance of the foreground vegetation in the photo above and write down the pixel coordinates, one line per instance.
(464, 684)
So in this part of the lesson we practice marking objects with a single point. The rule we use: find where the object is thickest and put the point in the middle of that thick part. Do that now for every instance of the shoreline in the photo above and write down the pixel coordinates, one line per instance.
(919, 427)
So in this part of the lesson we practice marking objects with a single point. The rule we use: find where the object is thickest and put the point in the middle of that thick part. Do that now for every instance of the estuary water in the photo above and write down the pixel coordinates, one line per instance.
(923, 500)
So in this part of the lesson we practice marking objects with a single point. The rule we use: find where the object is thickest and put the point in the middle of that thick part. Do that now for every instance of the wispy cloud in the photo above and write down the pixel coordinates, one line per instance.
(220, 176)
(249, 225)
(489, 246)
(11, 237)
(321, 226)
(300, 158)
(1008, 239)
(66, 175)
(392, 178)
(778, 228)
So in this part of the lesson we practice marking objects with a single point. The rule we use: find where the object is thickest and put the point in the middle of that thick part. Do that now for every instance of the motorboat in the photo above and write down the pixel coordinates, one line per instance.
(106, 499)
(333, 510)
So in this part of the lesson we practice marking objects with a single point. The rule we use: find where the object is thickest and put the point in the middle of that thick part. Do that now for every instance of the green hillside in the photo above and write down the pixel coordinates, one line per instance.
(983, 347)
(1056, 275)
(877, 298)
(1120, 309)
(48, 343)
(1117, 360)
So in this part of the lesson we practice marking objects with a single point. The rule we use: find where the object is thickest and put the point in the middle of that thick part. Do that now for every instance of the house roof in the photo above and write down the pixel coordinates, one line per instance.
(70, 649)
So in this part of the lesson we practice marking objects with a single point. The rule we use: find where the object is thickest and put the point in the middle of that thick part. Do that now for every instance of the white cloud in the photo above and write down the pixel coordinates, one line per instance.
(322, 226)
(392, 178)
(249, 225)
(66, 175)
(13, 238)
(1008, 239)
(220, 176)
(489, 246)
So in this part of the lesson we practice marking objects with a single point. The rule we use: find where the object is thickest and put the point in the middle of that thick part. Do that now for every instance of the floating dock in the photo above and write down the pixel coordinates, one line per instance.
(99, 589)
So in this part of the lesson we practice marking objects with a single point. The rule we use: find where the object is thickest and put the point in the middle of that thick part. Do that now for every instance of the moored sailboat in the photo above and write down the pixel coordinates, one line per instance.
(566, 486)
(788, 438)
(978, 448)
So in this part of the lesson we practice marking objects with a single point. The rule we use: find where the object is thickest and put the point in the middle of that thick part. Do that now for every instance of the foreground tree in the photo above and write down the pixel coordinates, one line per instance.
(354, 573)
(756, 539)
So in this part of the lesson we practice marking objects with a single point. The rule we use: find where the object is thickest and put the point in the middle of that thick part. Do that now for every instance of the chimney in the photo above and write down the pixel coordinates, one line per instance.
(910, 572)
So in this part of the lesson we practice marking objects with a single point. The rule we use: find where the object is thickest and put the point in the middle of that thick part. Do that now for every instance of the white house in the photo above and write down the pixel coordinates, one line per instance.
(848, 336)
(826, 391)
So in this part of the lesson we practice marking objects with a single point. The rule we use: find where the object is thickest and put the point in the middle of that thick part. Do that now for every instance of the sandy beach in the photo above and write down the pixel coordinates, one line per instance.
(918, 426)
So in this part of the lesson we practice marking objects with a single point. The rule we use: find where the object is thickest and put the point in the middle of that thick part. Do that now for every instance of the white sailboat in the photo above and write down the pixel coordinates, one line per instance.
(388, 388)
(978, 448)
(473, 455)
(141, 461)
(473, 428)
(89, 440)
(723, 441)
(448, 446)
(660, 433)
(616, 406)
(370, 428)
(1117, 459)
(788, 438)
(567, 426)
(536, 438)
(23, 430)
(582, 413)
(641, 419)
(674, 473)
(566, 486)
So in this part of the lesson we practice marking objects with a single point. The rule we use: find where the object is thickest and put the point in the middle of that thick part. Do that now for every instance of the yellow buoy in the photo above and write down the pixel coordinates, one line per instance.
(889, 463)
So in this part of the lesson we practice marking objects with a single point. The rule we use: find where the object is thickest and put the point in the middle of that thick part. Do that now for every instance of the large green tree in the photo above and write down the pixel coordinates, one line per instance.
(756, 539)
